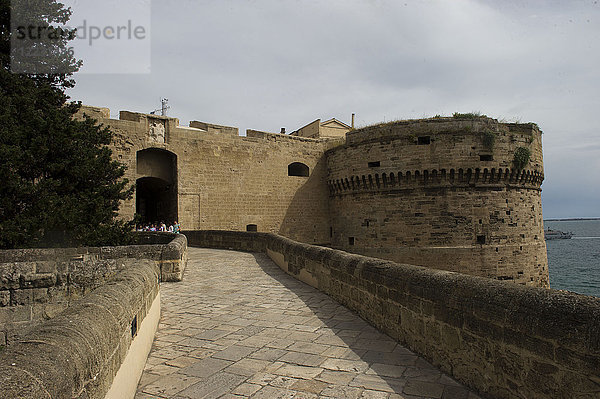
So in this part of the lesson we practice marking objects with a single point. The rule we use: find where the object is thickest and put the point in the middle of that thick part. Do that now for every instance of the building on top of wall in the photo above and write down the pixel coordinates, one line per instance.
(318, 129)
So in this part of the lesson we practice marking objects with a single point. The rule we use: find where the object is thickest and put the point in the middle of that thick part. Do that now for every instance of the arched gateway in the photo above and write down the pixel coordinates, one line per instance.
(156, 185)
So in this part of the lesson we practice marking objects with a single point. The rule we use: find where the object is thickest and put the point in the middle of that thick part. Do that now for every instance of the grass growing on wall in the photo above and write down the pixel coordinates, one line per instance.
(468, 115)
(521, 158)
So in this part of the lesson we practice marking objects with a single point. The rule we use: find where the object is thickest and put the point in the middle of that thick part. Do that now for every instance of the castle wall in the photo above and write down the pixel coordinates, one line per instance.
(227, 182)
(440, 192)
(431, 193)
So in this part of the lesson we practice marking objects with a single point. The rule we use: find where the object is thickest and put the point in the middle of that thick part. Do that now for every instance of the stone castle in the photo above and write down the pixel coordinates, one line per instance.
(443, 192)
(460, 193)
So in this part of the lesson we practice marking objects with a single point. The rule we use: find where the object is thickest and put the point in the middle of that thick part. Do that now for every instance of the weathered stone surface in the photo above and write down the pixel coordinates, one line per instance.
(81, 349)
(246, 299)
(428, 192)
(206, 367)
(170, 385)
(429, 204)
(49, 280)
(15, 314)
(4, 298)
(470, 326)
(302, 359)
(21, 297)
(212, 387)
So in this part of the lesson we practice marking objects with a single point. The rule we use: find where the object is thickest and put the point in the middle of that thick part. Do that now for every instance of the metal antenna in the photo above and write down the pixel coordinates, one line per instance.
(163, 107)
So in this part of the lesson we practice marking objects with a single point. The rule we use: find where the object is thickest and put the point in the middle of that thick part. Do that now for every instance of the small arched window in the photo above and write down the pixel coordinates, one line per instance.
(298, 169)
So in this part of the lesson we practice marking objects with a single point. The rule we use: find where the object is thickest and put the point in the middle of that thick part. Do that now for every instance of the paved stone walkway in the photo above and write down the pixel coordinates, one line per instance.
(237, 326)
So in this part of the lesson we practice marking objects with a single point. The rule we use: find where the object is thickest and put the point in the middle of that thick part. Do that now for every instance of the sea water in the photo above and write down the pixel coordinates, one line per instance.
(574, 264)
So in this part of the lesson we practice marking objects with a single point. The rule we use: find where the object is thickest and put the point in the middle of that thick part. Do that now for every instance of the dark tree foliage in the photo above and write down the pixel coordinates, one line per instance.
(49, 60)
(59, 185)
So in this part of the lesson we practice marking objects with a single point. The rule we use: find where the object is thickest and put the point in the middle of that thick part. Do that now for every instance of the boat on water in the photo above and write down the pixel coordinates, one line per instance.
(550, 234)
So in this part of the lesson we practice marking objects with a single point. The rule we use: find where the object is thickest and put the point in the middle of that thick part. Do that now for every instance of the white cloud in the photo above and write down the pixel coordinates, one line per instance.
(267, 64)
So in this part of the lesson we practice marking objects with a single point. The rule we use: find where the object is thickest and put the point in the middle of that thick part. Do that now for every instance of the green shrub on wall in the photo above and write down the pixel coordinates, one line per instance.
(489, 139)
(521, 158)
(468, 115)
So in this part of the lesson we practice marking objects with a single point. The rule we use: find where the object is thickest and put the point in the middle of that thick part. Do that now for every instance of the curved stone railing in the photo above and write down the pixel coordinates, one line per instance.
(80, 322)
(502, 339)
(78, 353)
(415, 178)
(37, 284)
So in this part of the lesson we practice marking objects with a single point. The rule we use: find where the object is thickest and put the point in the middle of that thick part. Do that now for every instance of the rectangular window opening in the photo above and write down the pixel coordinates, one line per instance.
(480, 239)
(134, 327)
(374, 164)
(350, 240)
(251, 227)
(485, 157)
(423, 140)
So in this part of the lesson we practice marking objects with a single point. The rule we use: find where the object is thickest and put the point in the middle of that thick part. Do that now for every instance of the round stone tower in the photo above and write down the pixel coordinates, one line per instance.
(459, 194)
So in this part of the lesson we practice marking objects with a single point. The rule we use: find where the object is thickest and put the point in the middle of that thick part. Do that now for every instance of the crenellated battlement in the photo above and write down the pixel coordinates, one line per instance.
(501, 178)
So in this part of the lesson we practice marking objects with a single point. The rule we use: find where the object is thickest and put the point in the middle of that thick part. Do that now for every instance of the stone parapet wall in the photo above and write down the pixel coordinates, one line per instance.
(78, 353)
(451, 143)
(234, 240)
(37, 284)
(502, 339)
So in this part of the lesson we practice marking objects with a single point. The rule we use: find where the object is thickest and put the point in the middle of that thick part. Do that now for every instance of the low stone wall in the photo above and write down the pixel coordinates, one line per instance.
(236, 240)
(502, 339)
(37, 284)
(78, 353)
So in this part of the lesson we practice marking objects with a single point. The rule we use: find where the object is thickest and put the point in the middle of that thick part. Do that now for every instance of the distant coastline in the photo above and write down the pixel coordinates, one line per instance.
(569, 219)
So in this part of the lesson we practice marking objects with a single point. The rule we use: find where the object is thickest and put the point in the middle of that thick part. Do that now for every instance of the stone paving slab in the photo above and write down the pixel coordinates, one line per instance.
(239, 327)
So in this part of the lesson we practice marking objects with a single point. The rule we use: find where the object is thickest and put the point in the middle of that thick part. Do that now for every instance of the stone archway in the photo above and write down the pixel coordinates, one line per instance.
(156, 186)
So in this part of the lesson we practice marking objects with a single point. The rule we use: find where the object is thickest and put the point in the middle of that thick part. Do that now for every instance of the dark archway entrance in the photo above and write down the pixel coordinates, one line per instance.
(154, 201)
(156, 186)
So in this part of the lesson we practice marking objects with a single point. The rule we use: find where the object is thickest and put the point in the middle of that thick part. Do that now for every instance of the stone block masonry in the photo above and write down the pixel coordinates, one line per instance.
(275, 337)
(78, 353)
(443, 193)
(439, 192)
(38, 284)
(505, 340)
(219, 180)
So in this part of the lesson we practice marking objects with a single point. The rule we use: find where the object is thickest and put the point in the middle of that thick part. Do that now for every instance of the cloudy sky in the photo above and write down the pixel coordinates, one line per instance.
(267, 64)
